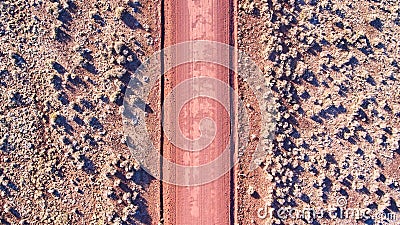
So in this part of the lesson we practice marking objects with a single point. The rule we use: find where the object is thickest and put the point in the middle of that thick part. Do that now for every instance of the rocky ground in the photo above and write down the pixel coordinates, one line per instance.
(333, 66)
(64, 67)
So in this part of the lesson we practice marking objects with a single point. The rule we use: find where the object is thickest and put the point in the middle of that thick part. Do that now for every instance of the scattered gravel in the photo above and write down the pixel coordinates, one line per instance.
(334, 68)
(60, 124)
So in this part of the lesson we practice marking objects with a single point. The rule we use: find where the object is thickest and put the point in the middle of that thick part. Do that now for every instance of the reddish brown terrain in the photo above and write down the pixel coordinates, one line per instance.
(207, 203)
(333, 67)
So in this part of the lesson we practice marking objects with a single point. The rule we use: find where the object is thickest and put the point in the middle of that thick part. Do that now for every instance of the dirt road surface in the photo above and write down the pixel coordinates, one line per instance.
(208, 203)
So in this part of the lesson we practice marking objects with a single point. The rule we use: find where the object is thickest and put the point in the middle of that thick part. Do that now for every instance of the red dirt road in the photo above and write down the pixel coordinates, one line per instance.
(208, 203)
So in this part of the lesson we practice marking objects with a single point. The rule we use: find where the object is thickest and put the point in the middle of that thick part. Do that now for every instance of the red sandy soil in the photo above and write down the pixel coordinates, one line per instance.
(208, 203)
